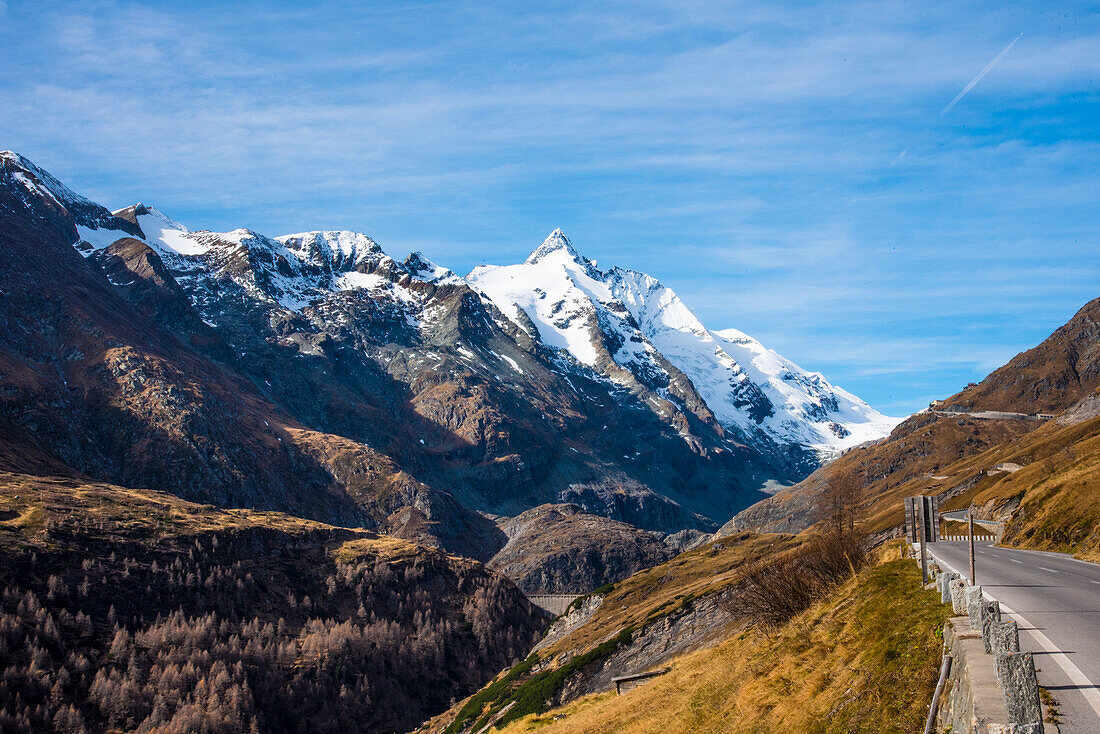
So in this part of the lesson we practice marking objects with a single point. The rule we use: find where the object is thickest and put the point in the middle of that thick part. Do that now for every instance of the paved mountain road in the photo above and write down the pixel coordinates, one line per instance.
(1055, 599)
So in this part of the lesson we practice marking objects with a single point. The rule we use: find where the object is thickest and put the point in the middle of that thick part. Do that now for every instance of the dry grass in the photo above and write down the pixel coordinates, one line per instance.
(382, 547)
(34, 509)
(645, 597)
(864, 660)
(1059, 495)
(1058, 489)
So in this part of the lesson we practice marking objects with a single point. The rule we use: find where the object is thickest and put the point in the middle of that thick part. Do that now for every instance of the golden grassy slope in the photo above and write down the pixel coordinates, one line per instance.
(35, 511)
(631, 605)
(1058, 492)
(863, 660)
(1058, 489)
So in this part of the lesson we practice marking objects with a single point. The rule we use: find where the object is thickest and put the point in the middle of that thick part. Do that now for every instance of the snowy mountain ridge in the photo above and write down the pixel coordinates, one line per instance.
(621, 320)
(750, 389)
(620, 325)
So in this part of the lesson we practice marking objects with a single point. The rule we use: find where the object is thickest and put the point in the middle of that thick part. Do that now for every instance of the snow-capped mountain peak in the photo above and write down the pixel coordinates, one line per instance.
(637, 324)
(341, 250)
(162, 233)
(38, 181)
(30, 182)
(556, 245)
(424, 269)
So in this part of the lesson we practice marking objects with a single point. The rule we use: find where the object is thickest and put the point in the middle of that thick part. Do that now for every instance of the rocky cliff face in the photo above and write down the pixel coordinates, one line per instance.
(312, 373)
(707, 621)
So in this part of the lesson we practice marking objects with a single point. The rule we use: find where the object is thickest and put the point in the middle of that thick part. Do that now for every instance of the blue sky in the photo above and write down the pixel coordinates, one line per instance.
(787, 168)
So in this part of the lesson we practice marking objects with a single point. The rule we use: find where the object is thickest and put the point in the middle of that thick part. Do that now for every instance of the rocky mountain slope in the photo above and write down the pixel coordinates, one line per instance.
(948, 453)
(1048, 378)
(560, 549)
(314, 374)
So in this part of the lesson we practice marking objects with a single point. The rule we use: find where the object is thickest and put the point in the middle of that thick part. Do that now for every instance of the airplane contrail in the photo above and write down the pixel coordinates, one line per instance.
(981, 74)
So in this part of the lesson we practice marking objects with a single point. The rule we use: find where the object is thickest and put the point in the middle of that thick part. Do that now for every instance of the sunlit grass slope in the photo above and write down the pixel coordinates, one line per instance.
(1053, 500)
(863, 660)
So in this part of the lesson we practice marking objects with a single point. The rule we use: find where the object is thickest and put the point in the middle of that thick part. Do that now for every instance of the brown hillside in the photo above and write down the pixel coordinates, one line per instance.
(1049, 378)
(125, 609)
(922, 452)
(917, 449)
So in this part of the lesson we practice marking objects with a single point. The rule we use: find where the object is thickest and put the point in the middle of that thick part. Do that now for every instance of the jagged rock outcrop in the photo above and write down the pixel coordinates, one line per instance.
(708, 621)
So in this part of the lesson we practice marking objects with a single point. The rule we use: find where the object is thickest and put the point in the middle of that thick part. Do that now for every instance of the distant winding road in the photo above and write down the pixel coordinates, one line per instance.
(994, 415)
(1055, 600)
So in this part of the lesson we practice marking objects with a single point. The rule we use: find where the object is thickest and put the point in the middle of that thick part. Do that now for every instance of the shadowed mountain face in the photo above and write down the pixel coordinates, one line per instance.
(559, 549)
(314, 374)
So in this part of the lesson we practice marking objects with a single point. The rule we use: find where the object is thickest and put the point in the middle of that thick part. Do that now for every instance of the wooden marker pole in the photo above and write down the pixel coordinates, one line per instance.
(970, 525)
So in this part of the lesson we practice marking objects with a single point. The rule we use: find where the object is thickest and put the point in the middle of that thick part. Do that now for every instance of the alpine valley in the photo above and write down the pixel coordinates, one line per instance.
(254, 483)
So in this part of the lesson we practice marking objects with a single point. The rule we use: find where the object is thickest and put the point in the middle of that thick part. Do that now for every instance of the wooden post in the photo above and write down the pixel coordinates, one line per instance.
(945, 671)
(970, 525)
(922, 532)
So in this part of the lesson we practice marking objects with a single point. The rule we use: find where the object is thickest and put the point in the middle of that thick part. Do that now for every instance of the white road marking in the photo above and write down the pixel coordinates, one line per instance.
(1087, 688)
(1015, 561)
(1044, 568)
(1060, 556)
(1094, 582)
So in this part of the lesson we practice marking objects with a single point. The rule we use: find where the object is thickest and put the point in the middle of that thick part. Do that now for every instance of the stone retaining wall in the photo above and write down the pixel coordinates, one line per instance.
(972, 701)
(991, 687)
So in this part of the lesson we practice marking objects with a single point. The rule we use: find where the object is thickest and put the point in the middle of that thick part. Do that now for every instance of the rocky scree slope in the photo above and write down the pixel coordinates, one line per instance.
(314, 374)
